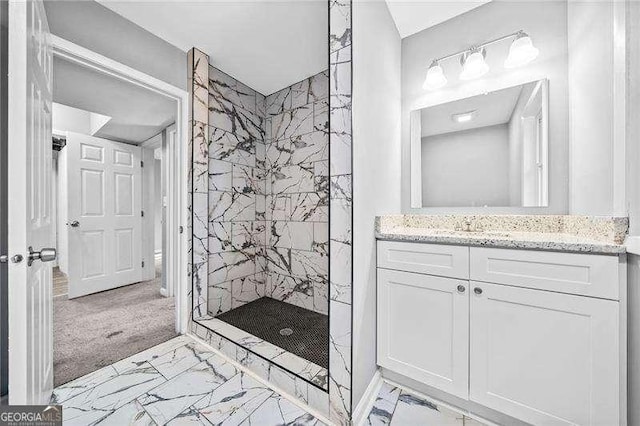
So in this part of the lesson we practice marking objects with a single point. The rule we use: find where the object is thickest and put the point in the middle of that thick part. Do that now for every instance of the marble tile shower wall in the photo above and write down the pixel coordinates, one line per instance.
(297, 202)
(268, 194)
(237, 193)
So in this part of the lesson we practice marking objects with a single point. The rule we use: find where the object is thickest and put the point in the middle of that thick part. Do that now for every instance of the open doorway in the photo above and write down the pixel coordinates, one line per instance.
(111, 297)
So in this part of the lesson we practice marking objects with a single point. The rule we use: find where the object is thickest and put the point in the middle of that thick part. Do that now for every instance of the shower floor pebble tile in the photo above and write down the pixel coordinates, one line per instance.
(179, 382)
(396, 407)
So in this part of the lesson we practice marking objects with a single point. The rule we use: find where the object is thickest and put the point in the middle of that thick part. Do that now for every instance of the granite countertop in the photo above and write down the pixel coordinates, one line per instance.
(580, 234)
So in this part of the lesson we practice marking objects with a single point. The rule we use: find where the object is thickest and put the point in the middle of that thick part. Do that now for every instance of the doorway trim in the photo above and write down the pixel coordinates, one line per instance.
(177, 161)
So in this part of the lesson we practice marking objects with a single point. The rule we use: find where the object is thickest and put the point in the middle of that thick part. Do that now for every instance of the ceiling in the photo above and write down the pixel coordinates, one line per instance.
(490, 109)
(268, 45)
(136, 114)
(412, 16)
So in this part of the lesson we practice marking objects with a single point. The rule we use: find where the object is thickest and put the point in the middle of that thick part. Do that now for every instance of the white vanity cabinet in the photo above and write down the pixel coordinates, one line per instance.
(423, 328)
(522, 332)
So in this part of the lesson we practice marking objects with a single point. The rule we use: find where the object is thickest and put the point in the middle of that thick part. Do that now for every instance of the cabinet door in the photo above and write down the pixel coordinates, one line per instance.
(543, 357)
(423, 329)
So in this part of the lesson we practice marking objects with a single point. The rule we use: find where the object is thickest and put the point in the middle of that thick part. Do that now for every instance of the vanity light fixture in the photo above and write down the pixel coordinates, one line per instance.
(435, 77)
(463, 117)
(473, 64)
(521, 52)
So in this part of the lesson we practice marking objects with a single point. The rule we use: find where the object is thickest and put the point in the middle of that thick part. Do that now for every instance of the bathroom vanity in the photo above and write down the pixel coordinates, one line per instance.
(524, 315)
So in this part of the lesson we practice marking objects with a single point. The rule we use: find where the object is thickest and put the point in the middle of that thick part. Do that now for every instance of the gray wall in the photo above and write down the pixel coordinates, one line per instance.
(93, 26)
(466, 168)
(376, 167)
(546, 22)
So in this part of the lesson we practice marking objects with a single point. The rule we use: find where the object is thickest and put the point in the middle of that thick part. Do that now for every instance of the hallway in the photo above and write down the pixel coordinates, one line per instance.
(125, 320)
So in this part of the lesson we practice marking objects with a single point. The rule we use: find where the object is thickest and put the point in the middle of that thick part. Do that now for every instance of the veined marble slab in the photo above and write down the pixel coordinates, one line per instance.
(581, 234)
(397, 407)
(212, 390)
(277, 411)
(301, 367)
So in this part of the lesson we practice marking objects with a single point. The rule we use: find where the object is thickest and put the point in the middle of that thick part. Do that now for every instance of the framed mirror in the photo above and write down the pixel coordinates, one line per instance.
(485, 150)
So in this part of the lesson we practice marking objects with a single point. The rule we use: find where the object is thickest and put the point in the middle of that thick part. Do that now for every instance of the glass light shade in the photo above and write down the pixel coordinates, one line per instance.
(521, 52)
(435, 78)
(474, 66)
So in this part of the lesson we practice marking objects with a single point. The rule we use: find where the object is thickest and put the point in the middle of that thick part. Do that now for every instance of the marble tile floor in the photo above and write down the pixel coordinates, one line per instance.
(301, 367)
(397, 407)
(177, 382)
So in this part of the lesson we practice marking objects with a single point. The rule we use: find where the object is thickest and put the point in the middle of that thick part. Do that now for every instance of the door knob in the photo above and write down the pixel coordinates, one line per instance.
(75, 224)
(44, 255)
(477, 290)
(461, 288)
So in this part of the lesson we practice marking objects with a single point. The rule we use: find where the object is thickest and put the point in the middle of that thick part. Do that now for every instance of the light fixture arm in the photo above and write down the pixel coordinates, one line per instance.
(517, 34)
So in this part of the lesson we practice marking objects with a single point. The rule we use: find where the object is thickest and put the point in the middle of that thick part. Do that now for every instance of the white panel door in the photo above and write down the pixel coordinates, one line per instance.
(545, 358)
(104, 214)
(423, 328)
(30, 212)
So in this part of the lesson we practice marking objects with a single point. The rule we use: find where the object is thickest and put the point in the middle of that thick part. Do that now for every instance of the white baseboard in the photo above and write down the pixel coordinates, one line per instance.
(362, 410)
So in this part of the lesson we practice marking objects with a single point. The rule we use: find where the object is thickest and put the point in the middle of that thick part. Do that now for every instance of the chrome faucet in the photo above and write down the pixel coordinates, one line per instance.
(468, 226)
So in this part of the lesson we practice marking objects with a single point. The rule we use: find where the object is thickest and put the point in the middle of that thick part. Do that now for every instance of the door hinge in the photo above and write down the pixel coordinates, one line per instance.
(141, 163)
(143, 263)
(142, 213)
(181, 229)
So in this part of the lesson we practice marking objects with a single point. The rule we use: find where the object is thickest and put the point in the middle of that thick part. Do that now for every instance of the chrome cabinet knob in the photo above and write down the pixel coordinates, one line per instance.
(44, 255)
(461, 288)
(477, 290)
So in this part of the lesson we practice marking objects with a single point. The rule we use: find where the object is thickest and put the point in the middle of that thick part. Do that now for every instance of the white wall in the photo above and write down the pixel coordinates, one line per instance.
(633, 123)
(633, 341)
(54, 197)
(97, 28)
(516, 148)
(591, 97)
(64, 118)
(376, 167)
(68, 119)
(546, 22)
(157, 205)
(62, 212)
(148, 206)
(633, 197)
(466, 168)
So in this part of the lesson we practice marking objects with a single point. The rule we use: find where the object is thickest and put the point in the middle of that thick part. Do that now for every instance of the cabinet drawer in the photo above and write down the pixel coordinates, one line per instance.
(582, 274)
(433, 259)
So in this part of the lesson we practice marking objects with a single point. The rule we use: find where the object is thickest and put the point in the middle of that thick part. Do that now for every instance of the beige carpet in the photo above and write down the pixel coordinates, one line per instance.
(96, 330)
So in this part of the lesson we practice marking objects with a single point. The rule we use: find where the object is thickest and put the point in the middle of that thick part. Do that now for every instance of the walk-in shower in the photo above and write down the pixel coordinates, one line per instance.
(261, 238)
(268, 218)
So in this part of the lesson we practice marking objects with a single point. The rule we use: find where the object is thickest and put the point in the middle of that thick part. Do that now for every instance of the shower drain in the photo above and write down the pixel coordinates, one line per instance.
(286, 332)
